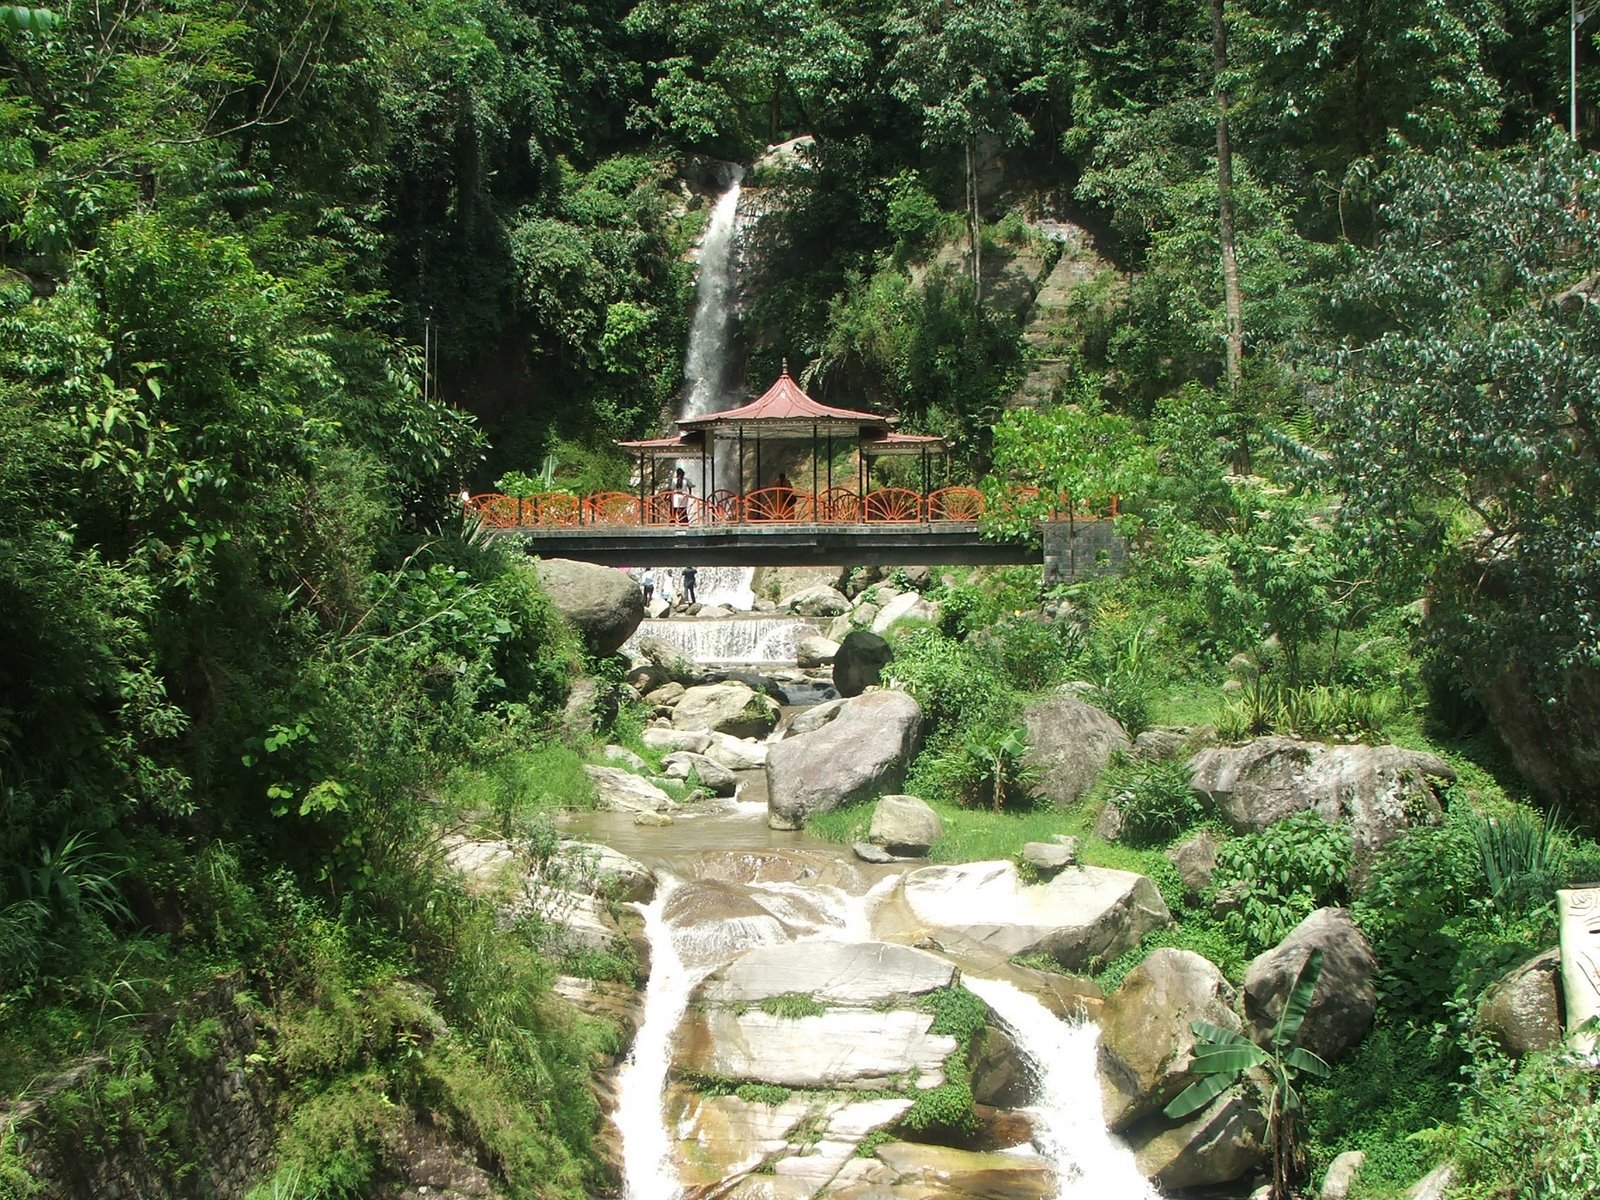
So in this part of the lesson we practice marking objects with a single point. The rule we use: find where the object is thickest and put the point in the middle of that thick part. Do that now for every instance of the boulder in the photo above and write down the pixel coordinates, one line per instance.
(1380, 791)
(665, 696)
(1219, 1144)
(904, 825)
(836, 974)
(1160, 745)
(1196, 860)
(666, 655)
(735, 753)
(869, 853)
(858, 663)
(1000, 1075)
(847, 1048)
(1341, 1175)
(860, 754)
(601, 871)
(713, 776)
(623, 757)
(1549, 721)
(1343, 1005)
(776, 582)
(909, 607)
(1146, 1045)
(944, 1173)
(819, 600)
(603, 604)
(623, 791)
(647, 677)
(839, 628)
(1082, 915)
(815, 717)
(1048, 858)
(1435, 1185)
(693, 740)
(814, 650)
(730, 708)
(588, 707)
(1070, 743)
(1523, 1009)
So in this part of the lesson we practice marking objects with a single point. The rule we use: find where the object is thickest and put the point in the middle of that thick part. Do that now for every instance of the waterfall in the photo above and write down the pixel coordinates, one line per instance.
(705, 366)
(647, 1166)
(727, 586)
(726, 639)
(1069, 1129)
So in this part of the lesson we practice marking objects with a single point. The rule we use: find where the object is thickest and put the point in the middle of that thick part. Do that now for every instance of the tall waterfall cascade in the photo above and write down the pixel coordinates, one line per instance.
(706, 360)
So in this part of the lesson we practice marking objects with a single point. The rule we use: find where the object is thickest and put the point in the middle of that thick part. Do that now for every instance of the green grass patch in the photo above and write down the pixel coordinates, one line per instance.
(791, 1006)
(769, 1094)
(506, 791)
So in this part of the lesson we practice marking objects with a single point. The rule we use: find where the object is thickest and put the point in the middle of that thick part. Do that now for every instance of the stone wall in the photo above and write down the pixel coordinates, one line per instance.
(220, 1116)
(1076, 550)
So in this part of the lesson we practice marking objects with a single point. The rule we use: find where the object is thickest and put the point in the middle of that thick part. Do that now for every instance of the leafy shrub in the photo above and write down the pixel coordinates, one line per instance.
(1533, 1134)
(954, 685)
(1313, 711)
(1282, 874)
(957, 1013)
(1034, 654)
(964, 609)
(946, 1108)
(1157, 804)
(1517, 854)
(1126, 685)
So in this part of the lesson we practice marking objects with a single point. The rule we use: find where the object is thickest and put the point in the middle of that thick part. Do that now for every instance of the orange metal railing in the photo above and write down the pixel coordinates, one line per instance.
(767, 506)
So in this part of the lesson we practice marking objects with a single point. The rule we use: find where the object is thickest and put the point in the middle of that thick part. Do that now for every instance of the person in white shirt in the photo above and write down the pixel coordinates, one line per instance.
(682, 490)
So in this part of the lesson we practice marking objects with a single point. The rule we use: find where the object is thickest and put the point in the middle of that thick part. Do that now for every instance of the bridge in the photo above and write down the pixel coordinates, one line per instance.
(784, 526)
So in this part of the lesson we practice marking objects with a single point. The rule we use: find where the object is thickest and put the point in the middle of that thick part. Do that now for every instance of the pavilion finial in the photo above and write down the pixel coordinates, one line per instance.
(785, 364)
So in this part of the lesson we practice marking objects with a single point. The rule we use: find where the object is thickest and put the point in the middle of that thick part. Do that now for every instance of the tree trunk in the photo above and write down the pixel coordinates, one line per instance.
(974, 228)
(1232, 305)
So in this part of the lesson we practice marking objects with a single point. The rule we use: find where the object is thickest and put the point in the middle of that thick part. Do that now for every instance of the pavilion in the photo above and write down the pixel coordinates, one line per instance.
(722, 442)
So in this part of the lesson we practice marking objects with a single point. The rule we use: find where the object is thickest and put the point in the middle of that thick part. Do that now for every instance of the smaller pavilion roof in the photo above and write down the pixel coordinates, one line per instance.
(900, 443)
(785, 408)
(668, 447)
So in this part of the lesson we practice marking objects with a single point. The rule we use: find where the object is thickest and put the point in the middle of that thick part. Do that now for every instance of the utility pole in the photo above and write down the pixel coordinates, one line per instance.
(1579, 16)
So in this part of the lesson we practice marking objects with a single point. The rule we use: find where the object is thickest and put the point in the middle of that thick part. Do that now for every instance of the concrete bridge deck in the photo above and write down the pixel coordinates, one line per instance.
(779, 545)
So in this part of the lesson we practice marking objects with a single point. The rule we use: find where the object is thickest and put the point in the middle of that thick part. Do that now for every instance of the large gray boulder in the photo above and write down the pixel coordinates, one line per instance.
(729, 707)
(819, 600)
(859, 661)
(855, 974)
(603, 604)
(1070, 743)
(1379, 791)
(907, 607)
(904, 825)
(814, 650)
(1523, 1010)
(1217, 1145)
(1146, 1044)
(862, 753)
(1082, 915)
(1345, 1000)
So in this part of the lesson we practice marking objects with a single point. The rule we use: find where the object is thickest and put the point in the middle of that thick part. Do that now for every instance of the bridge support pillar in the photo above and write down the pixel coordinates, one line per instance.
(1075, 550)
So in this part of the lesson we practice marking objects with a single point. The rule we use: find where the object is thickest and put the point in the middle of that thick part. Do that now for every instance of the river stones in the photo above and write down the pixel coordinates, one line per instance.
(814, 650)
(858, 663)
(1082, 915)
(863, 752)
(718, 779)
(1345, 1000)
(735, 753)
(833, 973)
(1223, 1142)
(915, 1169)
(818, 600)
(908, 607)
(601, 871)
(695, 741)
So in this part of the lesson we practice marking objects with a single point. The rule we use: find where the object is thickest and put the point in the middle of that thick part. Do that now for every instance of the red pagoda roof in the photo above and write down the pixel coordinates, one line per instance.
(785, 404)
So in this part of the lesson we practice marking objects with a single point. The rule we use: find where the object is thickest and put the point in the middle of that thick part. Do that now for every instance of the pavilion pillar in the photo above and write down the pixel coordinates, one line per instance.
(813, 466)
(830, 460)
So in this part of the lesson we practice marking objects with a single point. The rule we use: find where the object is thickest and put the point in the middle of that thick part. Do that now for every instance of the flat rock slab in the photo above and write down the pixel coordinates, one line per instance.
(943, 1171)
(847, 1048)
(860, 974)
(1082, 914)
(623, 791)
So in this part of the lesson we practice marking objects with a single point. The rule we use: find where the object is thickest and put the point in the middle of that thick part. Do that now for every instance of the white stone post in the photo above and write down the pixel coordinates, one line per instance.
(1579, 909)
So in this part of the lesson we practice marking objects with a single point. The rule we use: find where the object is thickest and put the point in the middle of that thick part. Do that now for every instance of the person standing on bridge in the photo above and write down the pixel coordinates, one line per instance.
(682, 490)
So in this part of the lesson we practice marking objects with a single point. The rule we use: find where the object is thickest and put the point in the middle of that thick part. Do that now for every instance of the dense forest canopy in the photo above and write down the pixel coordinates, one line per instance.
(244, 635)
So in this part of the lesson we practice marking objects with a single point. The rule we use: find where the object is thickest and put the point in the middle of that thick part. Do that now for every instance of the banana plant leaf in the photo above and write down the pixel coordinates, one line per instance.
(1298, 1003)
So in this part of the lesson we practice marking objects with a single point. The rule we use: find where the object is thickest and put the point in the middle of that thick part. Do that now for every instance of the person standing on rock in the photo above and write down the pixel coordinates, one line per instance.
(690, 575)
(647, 584)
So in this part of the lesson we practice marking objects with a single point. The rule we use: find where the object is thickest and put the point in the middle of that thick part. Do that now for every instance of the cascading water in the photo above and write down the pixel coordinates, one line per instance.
(705, 367)
(726, 640)
(1068, 1128)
